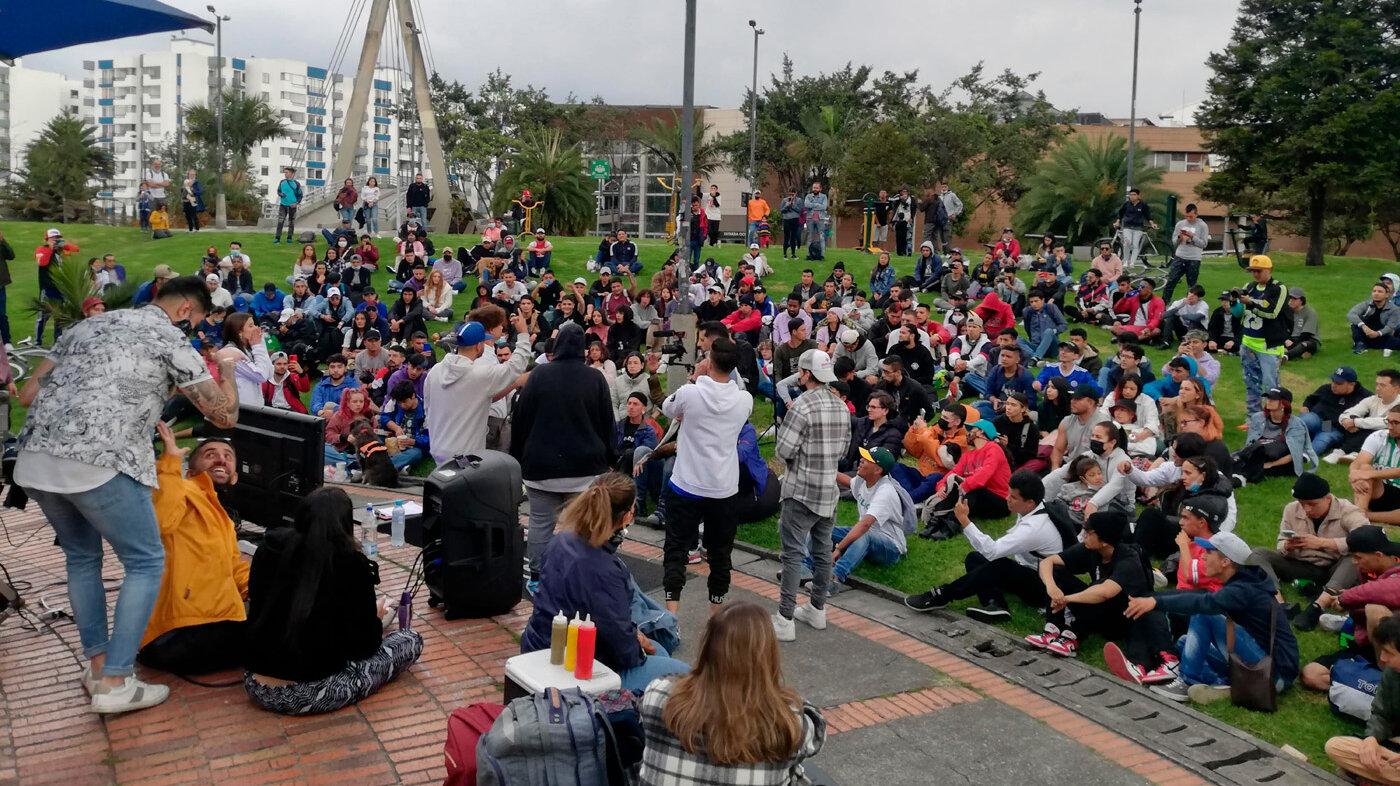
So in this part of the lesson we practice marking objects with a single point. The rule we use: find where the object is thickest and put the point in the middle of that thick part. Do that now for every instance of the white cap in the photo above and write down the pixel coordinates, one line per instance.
(52, 233)
(849, 336)
(287, 314)
(753, 245)
(332, 291)
(819, 363)
(212, 278)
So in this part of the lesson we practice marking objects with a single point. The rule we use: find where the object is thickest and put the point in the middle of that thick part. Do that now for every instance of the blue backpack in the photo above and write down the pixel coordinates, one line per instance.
(554, 738)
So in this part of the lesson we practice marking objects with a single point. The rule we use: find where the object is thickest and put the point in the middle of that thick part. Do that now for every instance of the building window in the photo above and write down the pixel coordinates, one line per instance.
(151, 72)
(1180, 162)
(267, 79)
(264, 169)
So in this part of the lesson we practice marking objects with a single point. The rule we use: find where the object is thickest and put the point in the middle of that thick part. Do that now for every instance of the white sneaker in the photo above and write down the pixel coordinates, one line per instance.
(91, 680)
(1332, 623)
(132, 695)
(1349, 457)
(1385, 353)
(1334, 456)
(812, 616)
(1159, 579)
(784, 628)
(9, 346)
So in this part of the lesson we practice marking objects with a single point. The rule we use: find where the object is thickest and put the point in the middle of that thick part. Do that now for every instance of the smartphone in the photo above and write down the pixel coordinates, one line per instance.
(293, 358)
(1288, 533)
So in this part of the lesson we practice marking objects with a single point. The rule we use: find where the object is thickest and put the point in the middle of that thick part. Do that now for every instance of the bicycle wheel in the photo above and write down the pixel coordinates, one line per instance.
(18, 369)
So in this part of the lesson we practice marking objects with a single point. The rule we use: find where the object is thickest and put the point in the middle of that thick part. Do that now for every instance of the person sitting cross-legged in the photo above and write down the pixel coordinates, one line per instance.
(1245, 603)
(404, 418)
(1376, 558)
(1006, 564)
(1375, 474)
(1376, 756)
(886, 516)
(198, 621)
(1116, 573)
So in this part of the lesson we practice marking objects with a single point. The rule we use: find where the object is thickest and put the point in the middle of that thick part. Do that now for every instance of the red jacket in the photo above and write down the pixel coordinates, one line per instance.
(1129, 305)
(936, 332)
(985, 467)
(739, 324)
(44, 254)
(1383, 590)
(1012, 249)
(996, 315)
(292, 388)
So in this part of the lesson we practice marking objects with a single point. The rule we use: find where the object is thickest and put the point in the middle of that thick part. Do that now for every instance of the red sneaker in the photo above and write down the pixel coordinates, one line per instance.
(1162, 674)
(1042, 640)
(1119, 664)
(1066, 646)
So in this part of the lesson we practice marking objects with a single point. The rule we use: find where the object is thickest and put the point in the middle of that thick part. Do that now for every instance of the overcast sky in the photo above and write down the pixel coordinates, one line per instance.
(630, 51)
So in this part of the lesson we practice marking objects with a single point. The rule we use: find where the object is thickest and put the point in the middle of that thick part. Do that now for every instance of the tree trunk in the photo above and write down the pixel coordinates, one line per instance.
(1317, 211)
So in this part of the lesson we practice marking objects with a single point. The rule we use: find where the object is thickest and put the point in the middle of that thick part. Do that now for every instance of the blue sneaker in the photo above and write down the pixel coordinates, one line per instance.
(532, 586)
(276, 241)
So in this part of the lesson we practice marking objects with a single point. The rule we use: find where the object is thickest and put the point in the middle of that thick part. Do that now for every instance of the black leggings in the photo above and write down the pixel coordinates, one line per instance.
(683, 517)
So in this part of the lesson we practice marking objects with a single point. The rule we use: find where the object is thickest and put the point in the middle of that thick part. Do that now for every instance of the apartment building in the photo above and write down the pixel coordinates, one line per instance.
(28, 99)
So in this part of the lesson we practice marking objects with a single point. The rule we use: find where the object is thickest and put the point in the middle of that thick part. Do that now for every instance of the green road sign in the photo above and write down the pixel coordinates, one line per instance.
(599, 169)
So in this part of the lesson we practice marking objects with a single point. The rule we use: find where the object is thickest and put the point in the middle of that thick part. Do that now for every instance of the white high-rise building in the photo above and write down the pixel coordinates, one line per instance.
(28, 100)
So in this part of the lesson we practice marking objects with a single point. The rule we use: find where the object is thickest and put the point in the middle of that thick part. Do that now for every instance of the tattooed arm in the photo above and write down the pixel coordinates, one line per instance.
(217, 400)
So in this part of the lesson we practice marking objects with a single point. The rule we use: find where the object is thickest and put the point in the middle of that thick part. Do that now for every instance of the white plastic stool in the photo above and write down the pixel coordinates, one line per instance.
(532, 672)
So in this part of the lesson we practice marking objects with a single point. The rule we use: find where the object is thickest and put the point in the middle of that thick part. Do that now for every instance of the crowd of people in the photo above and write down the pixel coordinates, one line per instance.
(1112, 463)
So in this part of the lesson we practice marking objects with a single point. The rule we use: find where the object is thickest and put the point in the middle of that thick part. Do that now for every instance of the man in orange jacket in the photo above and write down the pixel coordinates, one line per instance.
(926, 443)
(198, 621)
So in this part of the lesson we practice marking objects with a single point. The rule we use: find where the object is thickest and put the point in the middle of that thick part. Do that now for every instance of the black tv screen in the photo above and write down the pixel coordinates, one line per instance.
(280, 459)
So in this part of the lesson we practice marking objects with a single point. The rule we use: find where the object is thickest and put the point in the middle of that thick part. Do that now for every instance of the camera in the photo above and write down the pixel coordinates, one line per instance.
(674, 348)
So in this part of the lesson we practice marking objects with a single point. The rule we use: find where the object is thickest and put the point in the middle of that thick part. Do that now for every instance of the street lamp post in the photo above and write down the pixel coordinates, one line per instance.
(1132, 106)
(220, 203)
(753, 110)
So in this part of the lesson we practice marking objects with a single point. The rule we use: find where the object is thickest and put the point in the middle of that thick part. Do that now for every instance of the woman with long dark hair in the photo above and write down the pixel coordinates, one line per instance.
(315, 640)
(406, 316)
(355, 333)
(1277, 443)
(580, 573)
(1054, 404)
(243, 343)
(731, 717)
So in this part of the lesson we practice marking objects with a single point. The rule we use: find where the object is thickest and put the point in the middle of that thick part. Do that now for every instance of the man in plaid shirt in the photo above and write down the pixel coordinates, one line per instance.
(813, 439)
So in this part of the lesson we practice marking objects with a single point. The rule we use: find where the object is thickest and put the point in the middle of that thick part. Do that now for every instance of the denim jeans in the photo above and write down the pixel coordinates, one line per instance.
(800, 530)
(872, 547)
(1132, 244)
(1204, 658)
(986, 409)
(539, 264)
(4, 319)
(1191, 268)
(119, 511)
(816, 233)
(977, 382)
(406, 458)
(919, 486)
(753, 231)
(1322, 441)
(1041, 349)
(333, 455)
(636, 265)
(421, 212)
(372, 218)
(637, 678)
(1260, 373)
(347, 213)
(1360, 339)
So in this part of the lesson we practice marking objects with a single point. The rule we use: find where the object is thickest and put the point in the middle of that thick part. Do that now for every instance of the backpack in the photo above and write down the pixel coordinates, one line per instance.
(814, 252)
(1354, 685)
(465, 728)
(554, 738)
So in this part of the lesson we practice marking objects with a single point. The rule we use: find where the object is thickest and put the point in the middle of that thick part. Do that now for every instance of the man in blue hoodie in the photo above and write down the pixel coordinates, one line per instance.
(1043, 323)
(266, 306)
(1246, 599)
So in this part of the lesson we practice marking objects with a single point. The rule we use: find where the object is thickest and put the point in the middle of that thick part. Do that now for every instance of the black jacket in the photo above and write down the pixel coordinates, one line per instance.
(1329, 406)
(1022, 439)
(563, 425)
(623, 338)
(1248, 599)
(419, 195)
(6, 255)
(864, 435)
(1134, 216)
(343, 624)
(911, 400)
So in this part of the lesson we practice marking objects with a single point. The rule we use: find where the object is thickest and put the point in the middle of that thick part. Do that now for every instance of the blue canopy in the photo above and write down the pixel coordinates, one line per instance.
(27, 27)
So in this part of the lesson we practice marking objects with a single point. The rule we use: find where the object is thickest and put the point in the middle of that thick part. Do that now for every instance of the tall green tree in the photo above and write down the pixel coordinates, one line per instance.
(1303, 105)
(882, 156)
(554, 172)
(1077, 190)
(662, 138)
(62, 169)
(248, 122)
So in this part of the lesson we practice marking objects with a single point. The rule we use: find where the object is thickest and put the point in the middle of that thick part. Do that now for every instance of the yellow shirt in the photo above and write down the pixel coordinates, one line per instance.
(758, 209)
(160, 220)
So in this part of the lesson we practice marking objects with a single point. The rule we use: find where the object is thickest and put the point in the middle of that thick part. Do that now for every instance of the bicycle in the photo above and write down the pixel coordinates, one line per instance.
(1150, 263)
(25, 356)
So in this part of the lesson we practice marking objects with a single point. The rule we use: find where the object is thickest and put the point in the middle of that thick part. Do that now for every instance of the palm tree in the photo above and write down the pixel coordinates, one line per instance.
(61, 167)
(74, 282)
(826, 132)
(248, 121)
(1077, 190)
(663, 140)
(554, 173)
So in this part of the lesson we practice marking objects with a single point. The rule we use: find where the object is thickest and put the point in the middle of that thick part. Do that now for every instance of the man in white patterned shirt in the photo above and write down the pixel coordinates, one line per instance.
(813, 439)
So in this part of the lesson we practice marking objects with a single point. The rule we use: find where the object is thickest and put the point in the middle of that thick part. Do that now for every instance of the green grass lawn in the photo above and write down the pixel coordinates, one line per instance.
(1303, 719)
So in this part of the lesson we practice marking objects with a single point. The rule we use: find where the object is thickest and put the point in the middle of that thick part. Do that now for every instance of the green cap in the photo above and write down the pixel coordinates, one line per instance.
(879, 456)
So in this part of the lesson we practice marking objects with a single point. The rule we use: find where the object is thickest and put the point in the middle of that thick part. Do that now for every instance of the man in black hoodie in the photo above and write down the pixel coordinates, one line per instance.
(419, 195)
(1247, 599)
(562, 435)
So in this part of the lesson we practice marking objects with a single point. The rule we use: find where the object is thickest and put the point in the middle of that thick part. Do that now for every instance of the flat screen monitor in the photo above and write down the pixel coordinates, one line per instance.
(280, 459)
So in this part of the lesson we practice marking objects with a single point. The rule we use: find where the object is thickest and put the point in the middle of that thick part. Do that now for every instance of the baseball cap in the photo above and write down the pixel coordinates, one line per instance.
(986, 427)
(53, 233)
(418, 361)
(753, 245)
(1296, 292)
(212, 278)
(164, 271)
(1371, 539)
(1109, 526)
(879, 456)
(973, 319)
(1310, 486)
(1225, 294)
(716, 288)
(759, 288)
(1197, 335)
(1260, 262)
(746, 300)
(747, 281)
(1344, 374)
(605, 272)
(819, 363)
(849, 336)
(580, 280)
(957, 250)
(1084, 390)
(1230, 546)
(1126, 403)
(287, 313)
(332, 291)
(471, 333)
(1279, 394)
(539, 231)
(278, 355)
(1070, 347)
(1211, 516)
(373, 335)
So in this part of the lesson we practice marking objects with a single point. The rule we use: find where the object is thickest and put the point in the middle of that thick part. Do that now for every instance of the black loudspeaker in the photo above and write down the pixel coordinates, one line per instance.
(475, 546)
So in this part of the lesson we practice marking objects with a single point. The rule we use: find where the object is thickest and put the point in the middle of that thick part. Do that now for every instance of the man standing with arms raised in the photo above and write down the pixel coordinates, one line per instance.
(85, 456)
(460, 388)
(813, 438)
(705, 476)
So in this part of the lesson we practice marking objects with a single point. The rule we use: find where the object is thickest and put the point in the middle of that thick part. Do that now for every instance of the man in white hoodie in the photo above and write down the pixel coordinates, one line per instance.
(460, 388)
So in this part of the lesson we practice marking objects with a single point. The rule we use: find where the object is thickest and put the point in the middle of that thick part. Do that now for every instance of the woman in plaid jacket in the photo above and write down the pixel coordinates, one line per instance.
(730, 721)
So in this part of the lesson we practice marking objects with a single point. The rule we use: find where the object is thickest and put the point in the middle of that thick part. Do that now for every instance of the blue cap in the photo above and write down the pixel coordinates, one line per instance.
(986, 427)
(470, 334)
(1344, 374)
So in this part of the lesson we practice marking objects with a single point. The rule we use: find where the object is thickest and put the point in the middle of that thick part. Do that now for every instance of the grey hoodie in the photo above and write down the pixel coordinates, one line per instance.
(457, 396)
(867, 362)
(1199, 239)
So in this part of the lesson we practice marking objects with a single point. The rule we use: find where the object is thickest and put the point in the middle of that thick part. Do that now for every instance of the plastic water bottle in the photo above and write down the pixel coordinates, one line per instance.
(396, 524)
(369, 534)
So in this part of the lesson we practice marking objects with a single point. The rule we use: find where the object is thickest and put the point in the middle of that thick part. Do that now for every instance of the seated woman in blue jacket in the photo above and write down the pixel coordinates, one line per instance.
(582, 574)
(1277, 443)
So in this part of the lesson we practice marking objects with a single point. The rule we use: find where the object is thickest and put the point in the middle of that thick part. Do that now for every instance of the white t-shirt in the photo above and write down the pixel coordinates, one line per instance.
(882, 502)
(158, 180)
(516, 292)
(707, 454)
(1385, 454)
